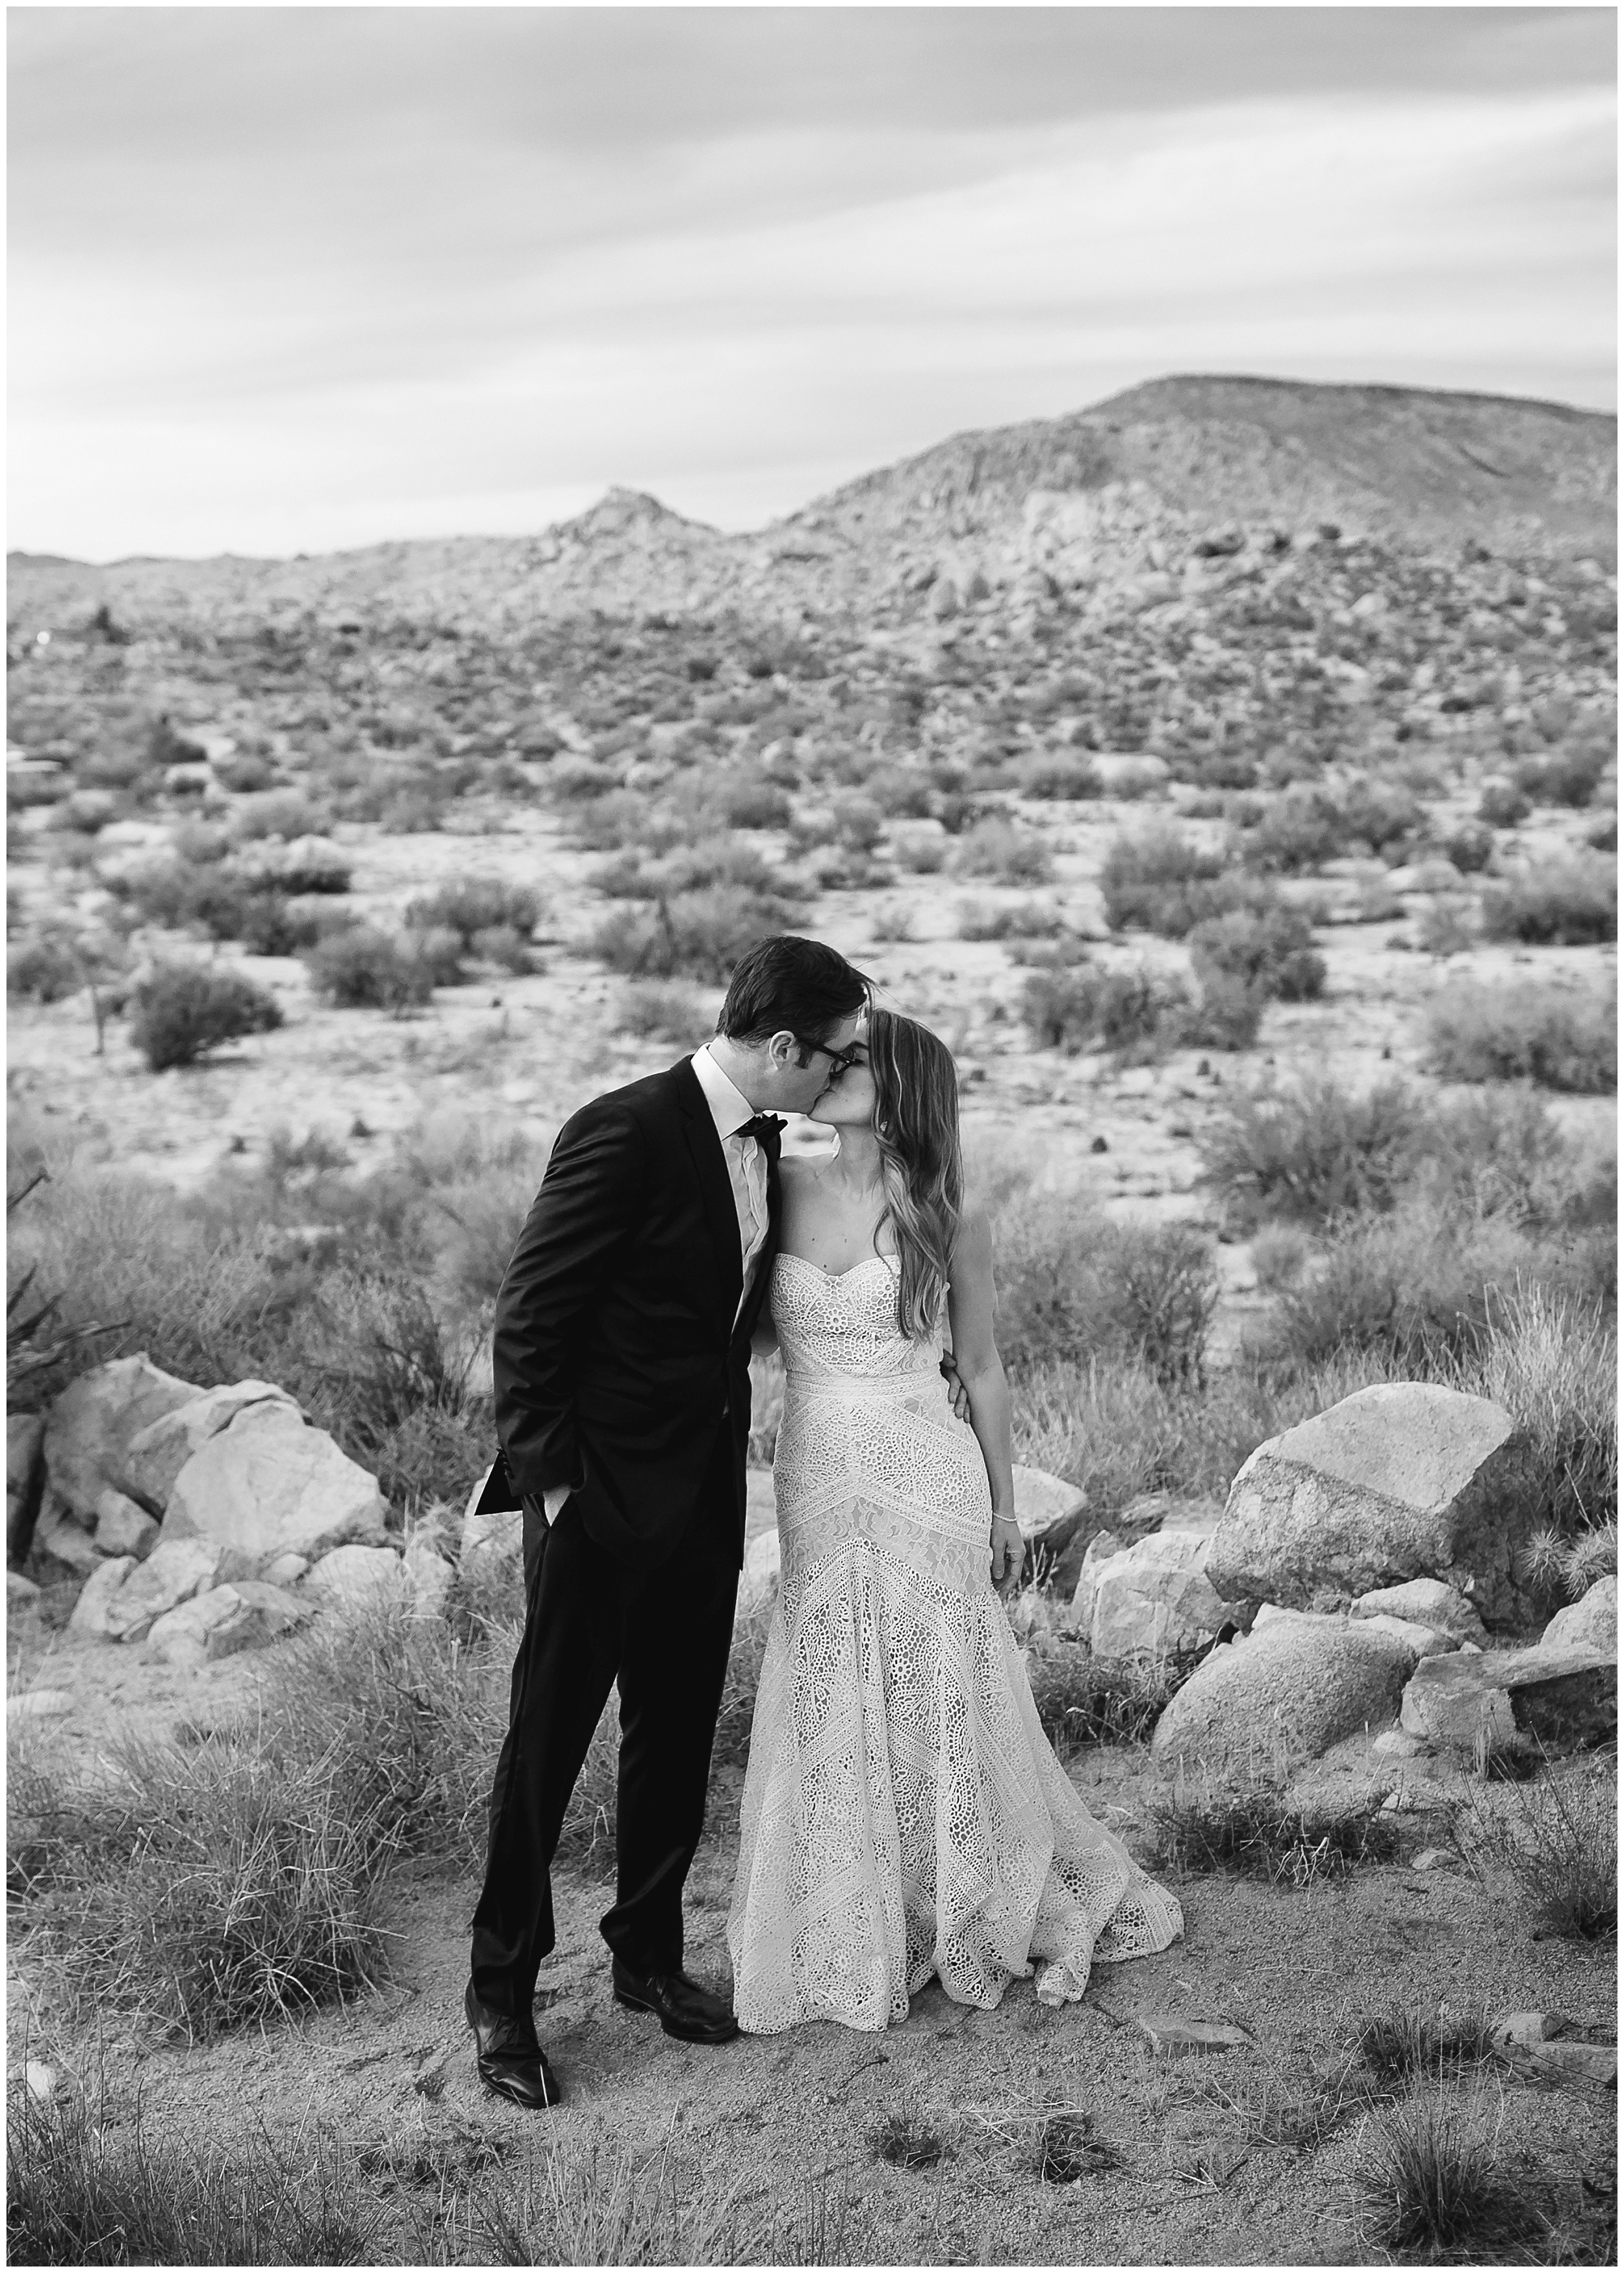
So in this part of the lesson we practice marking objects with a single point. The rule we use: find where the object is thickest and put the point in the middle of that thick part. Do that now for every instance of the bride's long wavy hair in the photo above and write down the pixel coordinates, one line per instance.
(916, 1121)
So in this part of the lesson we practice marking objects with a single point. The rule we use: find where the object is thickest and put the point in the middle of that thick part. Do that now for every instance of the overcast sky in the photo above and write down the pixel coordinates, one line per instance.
(296, 279)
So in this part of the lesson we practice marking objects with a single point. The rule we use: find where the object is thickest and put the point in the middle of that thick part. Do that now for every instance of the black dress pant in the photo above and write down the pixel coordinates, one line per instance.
(665, 1635)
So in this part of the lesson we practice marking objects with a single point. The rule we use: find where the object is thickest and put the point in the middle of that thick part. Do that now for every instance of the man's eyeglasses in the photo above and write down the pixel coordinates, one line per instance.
(840, 1061)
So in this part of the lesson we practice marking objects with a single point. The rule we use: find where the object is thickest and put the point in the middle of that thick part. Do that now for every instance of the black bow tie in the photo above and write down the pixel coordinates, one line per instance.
(768, 1129)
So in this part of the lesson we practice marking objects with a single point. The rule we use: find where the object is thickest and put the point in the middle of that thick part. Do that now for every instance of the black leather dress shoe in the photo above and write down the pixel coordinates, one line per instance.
(682, 2007)
(510, 2062)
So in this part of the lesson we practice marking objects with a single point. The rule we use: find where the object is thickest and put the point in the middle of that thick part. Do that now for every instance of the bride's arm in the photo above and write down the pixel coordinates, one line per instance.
(969, 1315)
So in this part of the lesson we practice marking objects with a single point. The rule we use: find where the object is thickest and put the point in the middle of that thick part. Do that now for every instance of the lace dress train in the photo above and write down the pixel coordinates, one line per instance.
(904, 1815)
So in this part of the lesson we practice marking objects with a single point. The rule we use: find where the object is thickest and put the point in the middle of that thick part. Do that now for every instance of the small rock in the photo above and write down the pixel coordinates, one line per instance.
(1588, 2071)
(1150, 1599)
(39, 1704)
(1519, 2031)
(354, 1574)
(175, 1571)
(41, 2080)
(180, 1636)
(97, 1594)
(1399, 1744)
(1428, 1603)
(286, 1570)
(20, 1593)
(429, 2079)
(1426, 1641)
(1556, 1697)
(122, 1525)
(1435, 1858)
(255, 1614)
(1173, 2038)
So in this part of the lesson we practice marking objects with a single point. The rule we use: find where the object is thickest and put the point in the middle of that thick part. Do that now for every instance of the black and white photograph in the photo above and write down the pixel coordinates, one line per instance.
(811, 1181)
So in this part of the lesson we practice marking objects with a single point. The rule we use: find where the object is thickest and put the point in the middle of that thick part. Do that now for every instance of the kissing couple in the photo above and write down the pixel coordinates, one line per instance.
(903, 1814)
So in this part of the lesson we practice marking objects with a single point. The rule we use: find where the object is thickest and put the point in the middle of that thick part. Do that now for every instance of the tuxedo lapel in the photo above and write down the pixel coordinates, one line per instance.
(715, 1188)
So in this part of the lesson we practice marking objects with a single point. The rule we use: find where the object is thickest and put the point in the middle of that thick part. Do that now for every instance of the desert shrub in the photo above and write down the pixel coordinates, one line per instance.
(696, 935)
(744, 801)
(1306, 1155)
(1225, 1015)
(1136, 1013)
(219, 1885)
(1524, 1032)
(1058, 774)
(1160, 881)
(1562, 902)
(1242, 1821)
(1384, 814)
(1444, 928)
(1401, 2044)
(44, 968)
(714, 862)
(284, 812)
(185, 1009)
(368, 969)
(245, 771)
(1082, 1699)
(1566, 778)
(902, 792)
(81, 2191)
(1468, 848)
(1502, 805)
(501, 944)
(923, 855)
(1270, 948)
(1024, 918)
(664, 1011)
(1004, 854)
(609, 824)
(1071, 1283)
(1429, 2184)
(306, 864)
(1299, 829)
(476, 904)
(572, 780)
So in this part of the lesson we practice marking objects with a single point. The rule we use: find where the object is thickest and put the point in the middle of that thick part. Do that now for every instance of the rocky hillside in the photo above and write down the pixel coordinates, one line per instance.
(1105, 508)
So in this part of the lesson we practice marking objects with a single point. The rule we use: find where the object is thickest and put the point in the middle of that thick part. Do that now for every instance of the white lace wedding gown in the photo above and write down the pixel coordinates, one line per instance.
(904, 1813)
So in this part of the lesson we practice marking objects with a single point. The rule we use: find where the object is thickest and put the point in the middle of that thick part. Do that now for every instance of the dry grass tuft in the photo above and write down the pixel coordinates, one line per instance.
(1557, 1839)
(1430, 2182)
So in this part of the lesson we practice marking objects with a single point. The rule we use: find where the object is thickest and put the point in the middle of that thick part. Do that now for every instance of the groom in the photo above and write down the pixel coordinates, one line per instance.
(622, 1354)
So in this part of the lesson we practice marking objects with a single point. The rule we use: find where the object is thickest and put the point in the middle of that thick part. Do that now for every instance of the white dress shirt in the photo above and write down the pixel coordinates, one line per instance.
(747, 1164)
(731, 1109)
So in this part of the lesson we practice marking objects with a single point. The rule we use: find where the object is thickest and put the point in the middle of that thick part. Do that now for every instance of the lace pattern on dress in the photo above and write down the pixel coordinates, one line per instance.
(904, 1813)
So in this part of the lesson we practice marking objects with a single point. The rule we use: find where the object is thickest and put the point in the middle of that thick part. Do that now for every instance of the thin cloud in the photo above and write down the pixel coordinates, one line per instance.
(425, 312)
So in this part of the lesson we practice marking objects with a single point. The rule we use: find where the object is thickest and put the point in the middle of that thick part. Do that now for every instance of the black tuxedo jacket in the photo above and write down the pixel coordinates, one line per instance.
(616, 1354)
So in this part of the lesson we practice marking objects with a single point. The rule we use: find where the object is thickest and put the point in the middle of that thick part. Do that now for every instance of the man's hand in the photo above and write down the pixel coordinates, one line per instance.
(1009, 1551)
(956, 1391)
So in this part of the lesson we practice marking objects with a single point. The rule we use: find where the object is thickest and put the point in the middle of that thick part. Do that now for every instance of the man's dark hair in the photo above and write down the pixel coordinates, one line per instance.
(788, 983)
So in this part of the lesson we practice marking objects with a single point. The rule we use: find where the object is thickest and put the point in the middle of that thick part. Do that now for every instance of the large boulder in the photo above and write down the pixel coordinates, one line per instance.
(1592, 1623)
(1150, 1599)
(156, 1455)
(25, 1474)
(93, 1422)
(175, 1571)
(1405, 1480)
(267, 1483)
(1295, 1684)
(1554, 1697)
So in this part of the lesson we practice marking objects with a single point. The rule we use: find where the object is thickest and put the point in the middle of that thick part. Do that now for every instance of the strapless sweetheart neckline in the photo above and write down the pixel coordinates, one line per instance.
(834, 1277)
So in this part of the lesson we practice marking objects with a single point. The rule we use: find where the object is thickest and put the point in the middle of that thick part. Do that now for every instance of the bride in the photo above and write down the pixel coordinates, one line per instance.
(903, 1814)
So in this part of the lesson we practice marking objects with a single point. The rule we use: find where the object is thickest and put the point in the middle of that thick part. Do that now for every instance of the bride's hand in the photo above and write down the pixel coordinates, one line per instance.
(1009, 1550)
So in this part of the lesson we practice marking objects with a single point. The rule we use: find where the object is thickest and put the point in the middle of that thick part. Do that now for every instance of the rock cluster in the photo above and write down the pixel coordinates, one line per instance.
(199, 1522)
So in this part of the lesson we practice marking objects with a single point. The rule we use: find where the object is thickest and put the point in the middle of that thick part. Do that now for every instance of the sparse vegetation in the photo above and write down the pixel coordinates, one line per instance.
(1570, 902)
(1556, 1838)
(185, 1010)
(1555, 1035)
(368, 969)
(1430, 2183)
(1245, 1822)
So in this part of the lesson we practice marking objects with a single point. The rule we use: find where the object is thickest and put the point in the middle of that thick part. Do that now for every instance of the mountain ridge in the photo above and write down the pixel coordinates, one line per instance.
(1090, 504)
